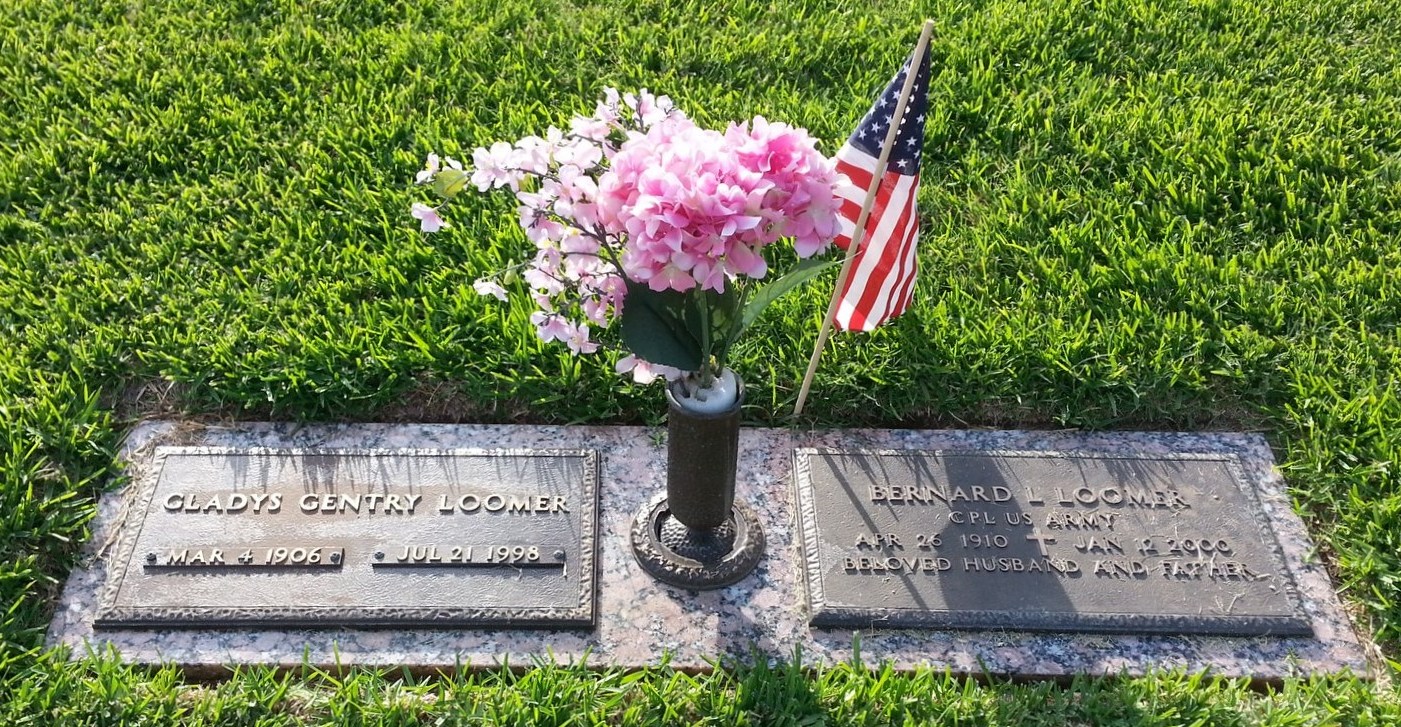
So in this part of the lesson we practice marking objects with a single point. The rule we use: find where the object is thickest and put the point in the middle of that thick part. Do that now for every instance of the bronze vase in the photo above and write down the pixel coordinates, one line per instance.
(702, 451)
(695, 535)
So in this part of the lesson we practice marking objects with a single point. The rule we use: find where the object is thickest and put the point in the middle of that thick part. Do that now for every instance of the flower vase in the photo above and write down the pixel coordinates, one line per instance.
(695, 535)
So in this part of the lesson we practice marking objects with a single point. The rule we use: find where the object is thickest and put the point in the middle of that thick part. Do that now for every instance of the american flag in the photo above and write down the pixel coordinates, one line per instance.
(882, 277)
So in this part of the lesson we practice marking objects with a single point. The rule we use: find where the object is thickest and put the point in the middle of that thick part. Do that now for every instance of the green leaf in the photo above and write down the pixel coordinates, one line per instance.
(725, 308)
(654, 328)
(801, 273)
(449, 182)
(711, 317)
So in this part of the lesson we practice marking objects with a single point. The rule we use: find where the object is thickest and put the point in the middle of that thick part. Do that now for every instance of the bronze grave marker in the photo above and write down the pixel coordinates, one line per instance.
(1042, 541)
(358, 537)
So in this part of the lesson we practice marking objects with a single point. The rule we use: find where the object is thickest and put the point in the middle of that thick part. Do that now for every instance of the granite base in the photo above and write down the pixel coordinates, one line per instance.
(643, 623)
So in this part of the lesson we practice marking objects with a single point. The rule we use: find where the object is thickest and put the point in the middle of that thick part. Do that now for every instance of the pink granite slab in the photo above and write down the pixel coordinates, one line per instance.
(642, 622)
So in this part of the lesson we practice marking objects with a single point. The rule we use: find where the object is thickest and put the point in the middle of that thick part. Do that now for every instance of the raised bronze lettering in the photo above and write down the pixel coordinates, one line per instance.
(369, 503)
(511, 505)
(1120, 569)
(1122, 497)
(974, 517)
(923, 495)
(469, 555)
(229, 503)
(878, 540)
(1018, 518)
(1021, 565)
(868, 565)
(1076, 520)
(1108, 546)
(195, 557)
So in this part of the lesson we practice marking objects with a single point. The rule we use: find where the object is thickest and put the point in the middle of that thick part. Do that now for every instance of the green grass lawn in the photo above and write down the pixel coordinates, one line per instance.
(1138, 214)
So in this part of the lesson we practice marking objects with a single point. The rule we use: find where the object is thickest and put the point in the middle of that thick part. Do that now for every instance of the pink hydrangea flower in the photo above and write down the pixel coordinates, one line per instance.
(496, 167)
(696, 207)
(491, 288)
(551, 326)
(532, 155)
(432, 165)
(645, 372)
(428, 219)
(578, 340)
(430, 168)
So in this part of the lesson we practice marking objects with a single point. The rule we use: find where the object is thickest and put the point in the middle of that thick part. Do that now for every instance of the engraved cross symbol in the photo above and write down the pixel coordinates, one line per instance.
(1041, 541)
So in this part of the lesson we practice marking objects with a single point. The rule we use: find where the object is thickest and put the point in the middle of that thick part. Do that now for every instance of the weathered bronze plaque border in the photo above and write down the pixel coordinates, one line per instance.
(582, 569)
(825, 612)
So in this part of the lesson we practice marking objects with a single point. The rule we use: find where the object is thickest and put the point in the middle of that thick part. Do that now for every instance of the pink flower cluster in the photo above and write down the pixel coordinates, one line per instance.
(696, 207)
(637, 189)
(573, 277)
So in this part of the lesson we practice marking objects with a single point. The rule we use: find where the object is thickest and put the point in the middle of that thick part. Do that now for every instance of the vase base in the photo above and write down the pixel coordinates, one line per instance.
(696, 559)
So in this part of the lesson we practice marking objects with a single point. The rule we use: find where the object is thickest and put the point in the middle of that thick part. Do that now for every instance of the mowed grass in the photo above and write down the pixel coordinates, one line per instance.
(1149, 215)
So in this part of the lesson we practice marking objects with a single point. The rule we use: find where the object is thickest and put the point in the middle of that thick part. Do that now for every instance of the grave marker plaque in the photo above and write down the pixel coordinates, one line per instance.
(1043, 541)
(363, 538)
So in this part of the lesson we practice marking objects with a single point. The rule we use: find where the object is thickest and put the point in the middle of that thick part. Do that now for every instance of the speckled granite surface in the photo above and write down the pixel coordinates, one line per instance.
(640, 620)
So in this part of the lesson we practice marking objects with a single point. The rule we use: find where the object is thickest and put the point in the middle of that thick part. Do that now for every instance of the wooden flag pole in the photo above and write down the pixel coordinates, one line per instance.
(858, 233)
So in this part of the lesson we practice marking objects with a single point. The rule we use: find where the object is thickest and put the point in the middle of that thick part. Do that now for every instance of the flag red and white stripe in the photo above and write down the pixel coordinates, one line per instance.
(882, 279)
